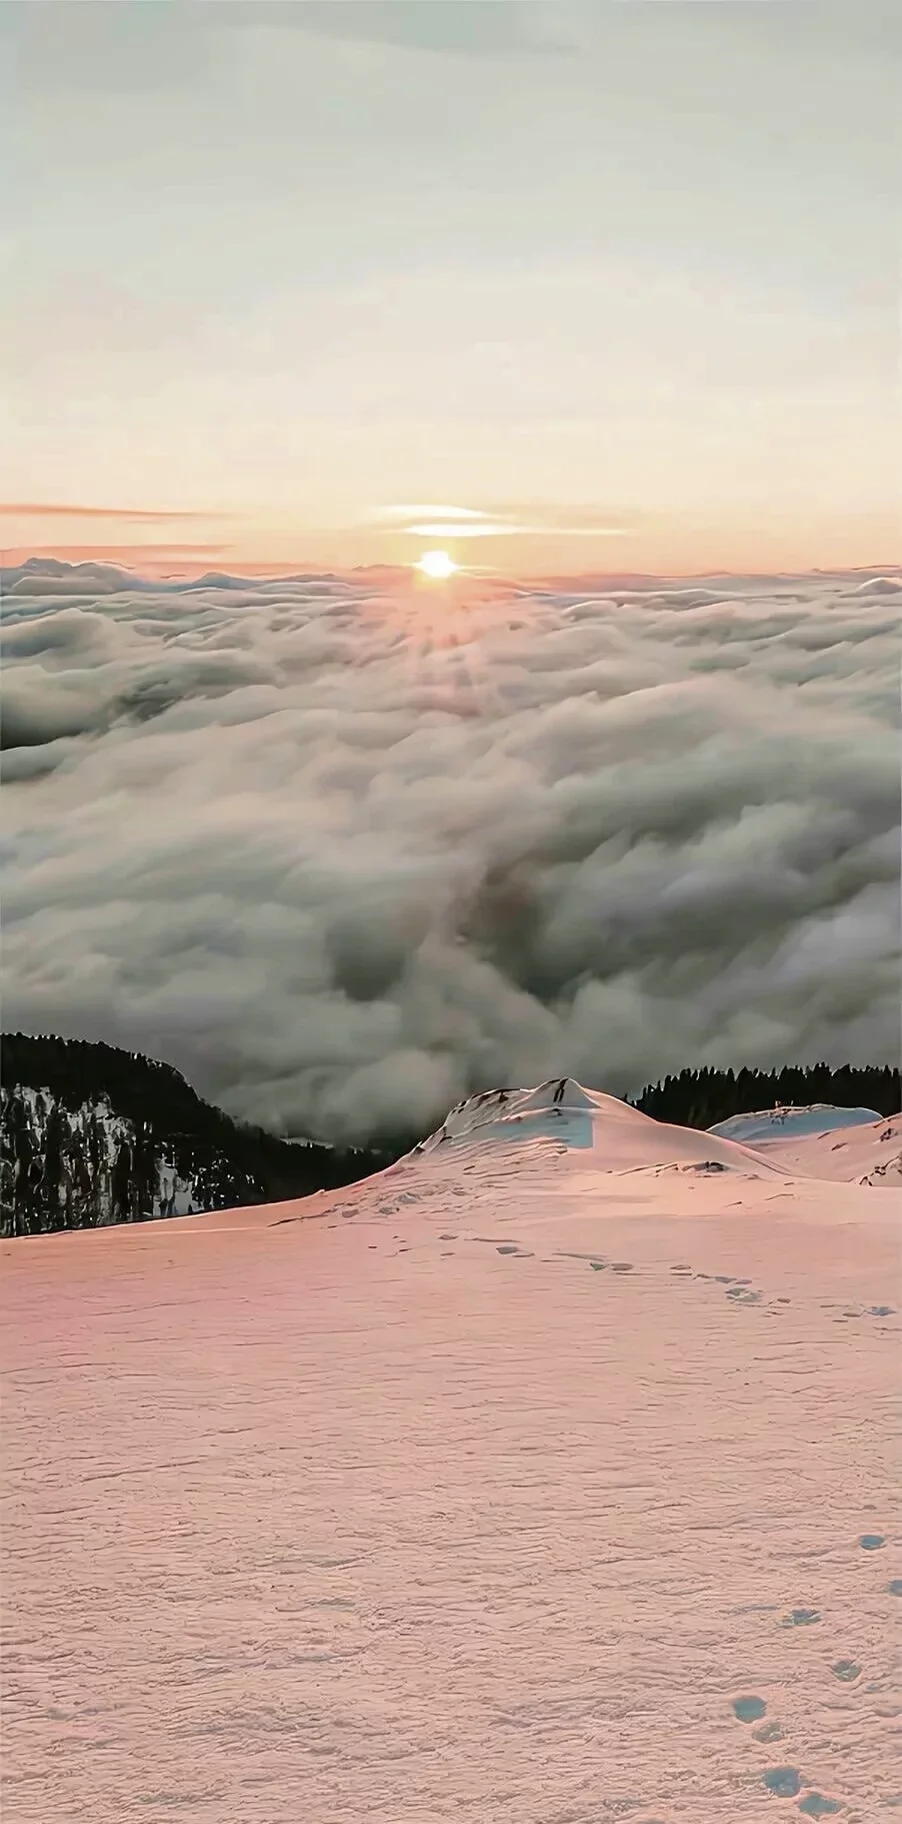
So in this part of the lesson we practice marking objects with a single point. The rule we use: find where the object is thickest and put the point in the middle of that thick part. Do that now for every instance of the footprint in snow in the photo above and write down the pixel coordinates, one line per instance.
(815, 1805)
(800, 1618)
(871, 1542)
(769, 1732)
(749, 1709)
(783, 1782)
(846, 1670)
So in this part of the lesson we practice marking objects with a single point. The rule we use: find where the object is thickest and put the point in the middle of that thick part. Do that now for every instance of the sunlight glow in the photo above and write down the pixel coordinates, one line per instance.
(437, 565)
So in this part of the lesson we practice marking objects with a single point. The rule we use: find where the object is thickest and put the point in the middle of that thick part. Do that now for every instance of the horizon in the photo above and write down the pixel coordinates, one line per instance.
(86, 558)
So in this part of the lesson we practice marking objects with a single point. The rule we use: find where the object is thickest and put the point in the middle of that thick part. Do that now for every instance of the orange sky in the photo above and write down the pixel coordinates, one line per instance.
(621, 279)
(136, 539)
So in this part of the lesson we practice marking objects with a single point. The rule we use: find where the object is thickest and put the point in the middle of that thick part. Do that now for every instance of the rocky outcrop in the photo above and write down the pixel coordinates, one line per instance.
(91, 1135)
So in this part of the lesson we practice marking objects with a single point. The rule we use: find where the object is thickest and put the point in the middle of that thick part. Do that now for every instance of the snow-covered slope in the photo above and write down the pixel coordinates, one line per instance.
(788, 1124)
(851, 1145)
(868, 1154)
(536, 1479)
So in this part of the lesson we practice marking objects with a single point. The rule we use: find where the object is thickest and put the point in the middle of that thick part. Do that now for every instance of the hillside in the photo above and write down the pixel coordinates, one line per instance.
(550, 1474)
(91, 1135)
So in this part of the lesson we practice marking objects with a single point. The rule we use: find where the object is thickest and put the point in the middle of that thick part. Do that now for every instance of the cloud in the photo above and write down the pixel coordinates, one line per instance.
(51, 509)
(344, 851)
(400, 514)
(881, 585)
(510, 522)
(490, 528)
(77, 566)
(95, 46)
(481, 28)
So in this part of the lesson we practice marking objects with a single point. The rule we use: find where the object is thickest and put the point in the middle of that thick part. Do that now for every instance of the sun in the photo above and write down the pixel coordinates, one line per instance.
(437, 565)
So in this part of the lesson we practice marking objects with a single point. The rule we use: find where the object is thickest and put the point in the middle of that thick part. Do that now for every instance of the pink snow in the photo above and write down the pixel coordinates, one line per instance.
(871, 1153)
(332, 1511)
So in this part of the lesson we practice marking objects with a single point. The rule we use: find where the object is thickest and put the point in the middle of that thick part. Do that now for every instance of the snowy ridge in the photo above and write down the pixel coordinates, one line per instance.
(841, 1145)
(597, 1131)
(869, 1153)
(784, 1124)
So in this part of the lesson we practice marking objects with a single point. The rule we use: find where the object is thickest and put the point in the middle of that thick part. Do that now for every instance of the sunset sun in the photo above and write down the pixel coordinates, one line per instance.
(437, 565)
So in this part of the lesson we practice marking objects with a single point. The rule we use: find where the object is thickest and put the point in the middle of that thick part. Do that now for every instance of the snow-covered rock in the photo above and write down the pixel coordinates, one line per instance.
(86, 1166)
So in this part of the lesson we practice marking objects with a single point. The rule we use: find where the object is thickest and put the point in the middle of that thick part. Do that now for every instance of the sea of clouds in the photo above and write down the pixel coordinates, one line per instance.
(345, 851)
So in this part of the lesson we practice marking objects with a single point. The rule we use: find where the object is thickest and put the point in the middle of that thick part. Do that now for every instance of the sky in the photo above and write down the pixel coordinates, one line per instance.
(617, 282)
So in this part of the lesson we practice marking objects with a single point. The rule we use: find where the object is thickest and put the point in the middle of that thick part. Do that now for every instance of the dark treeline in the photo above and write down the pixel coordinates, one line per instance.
(702, 1098)
(45, 1183)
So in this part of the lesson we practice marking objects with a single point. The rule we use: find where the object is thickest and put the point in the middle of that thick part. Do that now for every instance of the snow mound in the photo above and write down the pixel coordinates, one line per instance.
(768, 1124)
(601, 1132)
(868, 1153)
(559, 1109)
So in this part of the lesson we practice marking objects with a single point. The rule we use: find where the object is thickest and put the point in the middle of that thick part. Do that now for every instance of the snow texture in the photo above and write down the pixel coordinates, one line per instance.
(870, 1154)
(548, 1477)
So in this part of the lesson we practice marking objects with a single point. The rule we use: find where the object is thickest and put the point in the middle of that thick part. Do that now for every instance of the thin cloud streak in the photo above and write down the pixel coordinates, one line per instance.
(473, 522)
(51, 509)
(453, 530)
(405, 512)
